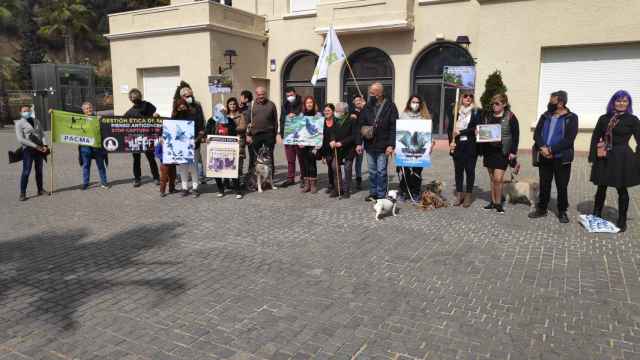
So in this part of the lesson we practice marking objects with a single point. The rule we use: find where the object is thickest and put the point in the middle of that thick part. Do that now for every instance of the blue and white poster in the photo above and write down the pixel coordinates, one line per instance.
(413, 143)
(303, 130)
(179, 141)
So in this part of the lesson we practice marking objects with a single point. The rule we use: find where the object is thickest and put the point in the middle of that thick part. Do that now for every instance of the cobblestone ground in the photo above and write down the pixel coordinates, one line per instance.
(124, 274)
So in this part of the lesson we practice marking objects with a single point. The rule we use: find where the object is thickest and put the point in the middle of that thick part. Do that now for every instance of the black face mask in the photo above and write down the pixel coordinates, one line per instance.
(371, 100)
(137, 101)
(552, 107)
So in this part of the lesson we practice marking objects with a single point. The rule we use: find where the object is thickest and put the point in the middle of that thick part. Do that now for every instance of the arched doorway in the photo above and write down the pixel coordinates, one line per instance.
(369, 65)
(426, 79)
(297, 72)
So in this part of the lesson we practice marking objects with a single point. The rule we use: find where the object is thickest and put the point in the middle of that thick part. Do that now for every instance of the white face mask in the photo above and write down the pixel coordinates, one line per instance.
(291, 99)
(189, 100)
(338, 115)
(25, 114)
(415, 107)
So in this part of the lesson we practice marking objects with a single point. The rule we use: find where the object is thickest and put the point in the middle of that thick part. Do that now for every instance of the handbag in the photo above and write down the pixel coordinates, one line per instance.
(368, 131)
(16, 156)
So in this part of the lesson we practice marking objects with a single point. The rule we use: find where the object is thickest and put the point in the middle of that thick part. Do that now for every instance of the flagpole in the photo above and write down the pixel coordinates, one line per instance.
(51, 153)
(353, 77)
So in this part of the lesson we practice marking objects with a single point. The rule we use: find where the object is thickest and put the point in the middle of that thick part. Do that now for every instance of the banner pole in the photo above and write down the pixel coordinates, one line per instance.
(353, 77)
(455, 113)
(337, 172)
(51, 153)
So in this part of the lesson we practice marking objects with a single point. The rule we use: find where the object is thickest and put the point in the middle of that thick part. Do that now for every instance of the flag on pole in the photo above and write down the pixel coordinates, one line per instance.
(330, 53)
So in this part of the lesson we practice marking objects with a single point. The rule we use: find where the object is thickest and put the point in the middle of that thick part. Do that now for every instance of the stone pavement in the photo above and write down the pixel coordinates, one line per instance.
(124, 274)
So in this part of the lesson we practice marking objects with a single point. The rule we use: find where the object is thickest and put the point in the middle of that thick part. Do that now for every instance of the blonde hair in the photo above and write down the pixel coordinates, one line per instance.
(501, 98)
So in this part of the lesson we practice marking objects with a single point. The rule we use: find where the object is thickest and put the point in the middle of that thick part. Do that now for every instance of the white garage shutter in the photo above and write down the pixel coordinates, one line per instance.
(590, 75)
(159, 86)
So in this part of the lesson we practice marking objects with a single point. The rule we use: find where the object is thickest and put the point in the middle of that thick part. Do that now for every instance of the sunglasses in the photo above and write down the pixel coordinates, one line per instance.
(465, 96)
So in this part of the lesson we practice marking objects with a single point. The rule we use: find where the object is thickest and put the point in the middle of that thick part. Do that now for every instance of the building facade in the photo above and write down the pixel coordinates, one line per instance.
(590, 48)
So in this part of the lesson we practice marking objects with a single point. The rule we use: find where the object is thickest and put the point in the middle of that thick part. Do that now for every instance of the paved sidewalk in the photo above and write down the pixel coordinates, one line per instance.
(124, 274)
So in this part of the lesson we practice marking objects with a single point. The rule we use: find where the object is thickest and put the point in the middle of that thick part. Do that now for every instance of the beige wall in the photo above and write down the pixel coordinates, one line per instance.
(505, 35)
(192, 36)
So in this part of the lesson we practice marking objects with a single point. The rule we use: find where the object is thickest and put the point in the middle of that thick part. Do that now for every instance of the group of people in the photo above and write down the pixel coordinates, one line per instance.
(367, 128)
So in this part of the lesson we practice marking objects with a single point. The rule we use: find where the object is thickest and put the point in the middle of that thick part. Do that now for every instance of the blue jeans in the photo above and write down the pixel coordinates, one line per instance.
(31, 157)
(358, 166)
(87, 153)
(377, 162)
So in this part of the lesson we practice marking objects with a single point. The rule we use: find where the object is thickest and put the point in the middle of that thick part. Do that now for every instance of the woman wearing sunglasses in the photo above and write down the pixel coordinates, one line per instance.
(497, 156)
(462, 147)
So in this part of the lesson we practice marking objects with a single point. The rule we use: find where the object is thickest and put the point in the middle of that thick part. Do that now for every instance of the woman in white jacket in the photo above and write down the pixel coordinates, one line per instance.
(31, 137)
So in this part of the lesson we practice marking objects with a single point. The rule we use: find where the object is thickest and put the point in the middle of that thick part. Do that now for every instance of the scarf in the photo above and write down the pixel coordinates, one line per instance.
(608, 135)
(464, 117)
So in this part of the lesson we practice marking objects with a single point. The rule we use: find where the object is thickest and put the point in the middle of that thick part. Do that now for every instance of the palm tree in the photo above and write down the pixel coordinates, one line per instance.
(67, 19)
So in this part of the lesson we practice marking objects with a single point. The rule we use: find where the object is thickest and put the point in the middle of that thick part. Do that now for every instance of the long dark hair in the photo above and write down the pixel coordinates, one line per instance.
(304, 105)
(232, 99)
(424, 112)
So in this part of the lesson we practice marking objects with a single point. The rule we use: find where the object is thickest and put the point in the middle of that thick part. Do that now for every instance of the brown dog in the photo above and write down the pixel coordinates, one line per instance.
(430, 200)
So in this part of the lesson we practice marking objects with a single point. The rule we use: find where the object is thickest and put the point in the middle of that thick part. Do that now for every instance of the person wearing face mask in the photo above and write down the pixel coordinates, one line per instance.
(195, 113)
(462, 148)
(358, 105)
(88, 153)
(613, 161)
(553, 138)
(411, 177)
(31, 137)
(244, 106)
(378, 131)
(338, 147)
(142, 109)
(264, 127)
(290, 108)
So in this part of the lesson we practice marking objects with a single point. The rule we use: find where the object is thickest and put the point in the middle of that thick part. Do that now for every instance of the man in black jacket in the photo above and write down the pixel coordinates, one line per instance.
(142, 109)
(381, 114)
(291, 106)
(554, 137)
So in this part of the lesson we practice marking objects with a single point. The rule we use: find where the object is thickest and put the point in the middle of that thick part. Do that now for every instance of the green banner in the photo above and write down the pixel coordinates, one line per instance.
(71, 128)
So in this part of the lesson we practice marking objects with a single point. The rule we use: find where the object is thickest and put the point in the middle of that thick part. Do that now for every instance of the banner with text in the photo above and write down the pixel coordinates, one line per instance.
(78, 129)
(123, 134)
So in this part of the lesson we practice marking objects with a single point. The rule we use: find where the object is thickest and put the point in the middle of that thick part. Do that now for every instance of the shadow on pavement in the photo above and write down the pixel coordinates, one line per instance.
(52, 275)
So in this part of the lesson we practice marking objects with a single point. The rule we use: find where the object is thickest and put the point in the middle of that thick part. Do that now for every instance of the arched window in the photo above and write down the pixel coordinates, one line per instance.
(426, 78)
(298, 70)
(369, 65)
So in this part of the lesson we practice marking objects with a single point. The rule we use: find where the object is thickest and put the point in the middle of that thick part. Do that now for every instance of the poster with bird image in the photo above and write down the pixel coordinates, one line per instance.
(303, 130)
(413, 143)
(179, 141)
(223, 155)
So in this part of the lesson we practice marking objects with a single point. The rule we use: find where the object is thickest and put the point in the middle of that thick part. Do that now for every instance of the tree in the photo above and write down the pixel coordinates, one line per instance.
(9, 15)
(66, 19)
(493, 86)
(32, 50)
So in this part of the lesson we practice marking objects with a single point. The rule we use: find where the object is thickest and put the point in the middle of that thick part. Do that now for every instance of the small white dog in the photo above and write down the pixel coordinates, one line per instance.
(386, 205)
(521, 191)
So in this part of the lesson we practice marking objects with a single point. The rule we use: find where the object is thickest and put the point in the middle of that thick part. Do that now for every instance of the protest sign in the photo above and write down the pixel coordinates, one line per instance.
(223, 156)
(122, 134)
(413, 143)
(179, 141)
(78, 129)
(489, 133)
(303, 130)
(461, 77)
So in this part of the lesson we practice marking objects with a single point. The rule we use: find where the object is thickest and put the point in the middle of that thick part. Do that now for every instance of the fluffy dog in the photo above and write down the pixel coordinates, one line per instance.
(431, 200)
(521, 191)
(264, 168)
(386, 205)
(436, 187)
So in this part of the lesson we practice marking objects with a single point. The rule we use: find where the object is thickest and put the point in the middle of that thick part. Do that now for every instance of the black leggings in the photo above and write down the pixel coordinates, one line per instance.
(461, 166)
(308, 163)
(623, 200)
